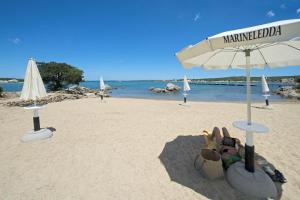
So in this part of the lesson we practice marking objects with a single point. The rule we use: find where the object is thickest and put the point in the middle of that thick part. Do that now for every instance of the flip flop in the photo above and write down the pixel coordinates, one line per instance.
(280, 176)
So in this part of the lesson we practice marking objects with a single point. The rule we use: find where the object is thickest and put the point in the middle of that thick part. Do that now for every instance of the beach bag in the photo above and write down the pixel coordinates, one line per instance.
(209, 163)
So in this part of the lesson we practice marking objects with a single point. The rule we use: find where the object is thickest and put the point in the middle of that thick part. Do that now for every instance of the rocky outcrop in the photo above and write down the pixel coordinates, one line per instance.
(78, 90)
(74, 92)
(288, 92)
(170, 87)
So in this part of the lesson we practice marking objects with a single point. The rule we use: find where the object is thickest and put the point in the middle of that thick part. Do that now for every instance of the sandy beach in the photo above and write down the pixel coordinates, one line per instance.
(135, 149)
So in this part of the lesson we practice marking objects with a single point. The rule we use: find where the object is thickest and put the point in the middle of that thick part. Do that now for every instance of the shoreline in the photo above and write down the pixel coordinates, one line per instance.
(281, 101)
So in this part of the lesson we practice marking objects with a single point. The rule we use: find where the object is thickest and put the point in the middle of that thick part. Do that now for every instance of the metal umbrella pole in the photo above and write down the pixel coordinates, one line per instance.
(36, 119)
(249, 147)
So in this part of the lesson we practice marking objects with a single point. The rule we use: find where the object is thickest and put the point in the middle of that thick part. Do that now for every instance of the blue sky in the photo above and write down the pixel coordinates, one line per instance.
(126, 40)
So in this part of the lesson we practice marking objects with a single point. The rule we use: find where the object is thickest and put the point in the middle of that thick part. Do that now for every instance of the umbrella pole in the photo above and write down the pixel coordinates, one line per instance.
(267, 100)
(249, 147)
(36, 119)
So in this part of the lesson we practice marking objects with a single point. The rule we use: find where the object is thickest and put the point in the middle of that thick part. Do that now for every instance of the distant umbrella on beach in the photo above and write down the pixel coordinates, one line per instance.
(33, 89)
(102, 85)
(265, 89)
(102, 88)
(186, 87)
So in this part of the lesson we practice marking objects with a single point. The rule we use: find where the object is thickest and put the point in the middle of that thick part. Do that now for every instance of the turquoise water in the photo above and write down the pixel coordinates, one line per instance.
(140, 89)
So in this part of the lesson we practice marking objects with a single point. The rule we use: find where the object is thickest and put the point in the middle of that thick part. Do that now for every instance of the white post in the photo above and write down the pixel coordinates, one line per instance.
(249, 135)
(35, 111)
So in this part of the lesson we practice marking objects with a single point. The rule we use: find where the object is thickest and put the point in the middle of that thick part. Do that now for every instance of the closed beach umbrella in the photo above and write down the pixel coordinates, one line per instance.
(102, 88)
(33, 89)
(102, 85)
(186, 88)
(265, 89)
(275, 44)
(33, 86)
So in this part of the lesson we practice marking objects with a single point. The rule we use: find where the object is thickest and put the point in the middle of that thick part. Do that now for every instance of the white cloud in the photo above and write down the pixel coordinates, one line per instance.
(298, 11)
(270, 13)
(283, 6)
(14, 40)
(197, 17)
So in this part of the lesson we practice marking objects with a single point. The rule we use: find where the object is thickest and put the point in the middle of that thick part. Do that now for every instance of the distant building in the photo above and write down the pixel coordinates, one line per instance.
(288, 80)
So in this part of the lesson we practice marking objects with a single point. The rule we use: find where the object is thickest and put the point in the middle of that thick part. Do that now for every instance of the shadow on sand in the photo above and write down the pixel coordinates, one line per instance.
(178, 158)
(51, 129)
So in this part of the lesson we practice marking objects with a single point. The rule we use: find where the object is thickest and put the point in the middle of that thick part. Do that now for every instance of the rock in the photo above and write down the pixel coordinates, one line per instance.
(172, 87)
(158, 90)
(74, 92)
(77, 90)
(90, 95)
(288, 92)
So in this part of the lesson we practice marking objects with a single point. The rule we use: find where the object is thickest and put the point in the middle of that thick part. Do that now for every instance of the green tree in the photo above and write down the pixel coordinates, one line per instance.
(58, 75)
(1, 91)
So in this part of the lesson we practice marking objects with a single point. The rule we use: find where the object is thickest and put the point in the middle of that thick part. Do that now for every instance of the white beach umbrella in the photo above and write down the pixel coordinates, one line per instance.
(33, 86)
(102, 85)
(275, 45)
(186, 86)
(265, 87)
(33, 89)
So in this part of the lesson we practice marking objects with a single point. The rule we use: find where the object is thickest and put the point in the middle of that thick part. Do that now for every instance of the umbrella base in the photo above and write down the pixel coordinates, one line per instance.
(37, 135)
(256, 184)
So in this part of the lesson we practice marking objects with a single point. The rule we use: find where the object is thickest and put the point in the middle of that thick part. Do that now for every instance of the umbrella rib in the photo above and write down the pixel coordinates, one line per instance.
(212, 56)
(290, 46)
(266, 46)
(233, 59)
(262, 56)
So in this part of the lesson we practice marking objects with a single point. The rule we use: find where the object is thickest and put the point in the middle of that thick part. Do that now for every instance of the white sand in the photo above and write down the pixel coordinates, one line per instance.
(114, 150)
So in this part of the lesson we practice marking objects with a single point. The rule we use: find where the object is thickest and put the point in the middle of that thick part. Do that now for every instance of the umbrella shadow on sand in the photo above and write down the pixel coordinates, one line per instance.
(178, 159)
(51, 129)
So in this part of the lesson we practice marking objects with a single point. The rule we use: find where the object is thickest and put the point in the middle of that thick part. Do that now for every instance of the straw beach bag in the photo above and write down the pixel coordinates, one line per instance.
(210, 164)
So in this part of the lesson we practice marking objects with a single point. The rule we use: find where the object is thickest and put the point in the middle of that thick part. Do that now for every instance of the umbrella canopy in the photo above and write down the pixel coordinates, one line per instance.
(265, 87)
(275, 44)
(33, 87)
(102, 85)
(186, 86)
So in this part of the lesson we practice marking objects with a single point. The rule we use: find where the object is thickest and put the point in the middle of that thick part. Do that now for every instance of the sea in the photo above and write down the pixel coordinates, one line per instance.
(199, 92)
